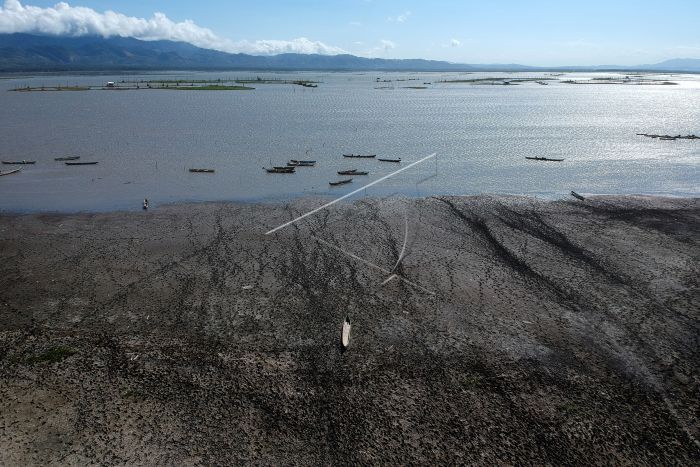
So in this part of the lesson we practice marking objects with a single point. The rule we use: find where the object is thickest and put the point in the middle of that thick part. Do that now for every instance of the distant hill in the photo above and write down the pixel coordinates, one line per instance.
(27, 52)
(676, 64)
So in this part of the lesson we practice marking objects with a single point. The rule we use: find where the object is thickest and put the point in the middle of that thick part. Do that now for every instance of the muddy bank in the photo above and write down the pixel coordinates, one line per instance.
(516, 331)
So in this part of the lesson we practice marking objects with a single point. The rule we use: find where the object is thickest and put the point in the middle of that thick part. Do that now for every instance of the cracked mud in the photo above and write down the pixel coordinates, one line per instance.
(559, 332)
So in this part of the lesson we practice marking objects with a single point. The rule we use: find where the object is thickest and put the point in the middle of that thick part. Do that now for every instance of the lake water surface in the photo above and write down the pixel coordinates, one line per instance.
(146, 141)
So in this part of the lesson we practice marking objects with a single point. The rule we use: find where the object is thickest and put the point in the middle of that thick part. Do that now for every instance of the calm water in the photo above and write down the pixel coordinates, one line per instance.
(146, 140)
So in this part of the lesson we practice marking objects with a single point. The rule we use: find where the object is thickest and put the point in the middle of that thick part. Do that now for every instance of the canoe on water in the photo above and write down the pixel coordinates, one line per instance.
(296, 163)
(345, 336)
(359, 156)
(202, 171)
(82, 163)
(68, 158)
(281, 170)
(19, 162)
(352, 172)
(341, 182)
(544, 159)
(9, 172)
(389, 160)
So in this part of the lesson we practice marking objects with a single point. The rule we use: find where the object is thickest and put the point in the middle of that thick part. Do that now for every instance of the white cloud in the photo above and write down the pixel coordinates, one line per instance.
(387, 44)
(384, 46)
(402, 18)
(65, 20)
(455, 43)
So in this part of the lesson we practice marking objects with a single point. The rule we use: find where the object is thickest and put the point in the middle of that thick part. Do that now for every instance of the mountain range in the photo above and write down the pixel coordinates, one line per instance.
(28, 52)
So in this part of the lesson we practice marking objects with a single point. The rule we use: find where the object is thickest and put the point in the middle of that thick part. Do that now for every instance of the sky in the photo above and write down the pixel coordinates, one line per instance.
(545, 33)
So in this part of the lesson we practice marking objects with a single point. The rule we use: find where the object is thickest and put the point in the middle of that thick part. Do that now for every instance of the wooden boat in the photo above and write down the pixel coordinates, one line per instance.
(9, 172)
(68, 158)
(352, 172)
(389, 160)
(202, 171)
(19, 162)
(145, 204)
(345, 335)
(341, 182)
(281, 170)
(296, 163)
(82, 163)
(549, 159)
(358, 156)
(283, 167)
(577, 196)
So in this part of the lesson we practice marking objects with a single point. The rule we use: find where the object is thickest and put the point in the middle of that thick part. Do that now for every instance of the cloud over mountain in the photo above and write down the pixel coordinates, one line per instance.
(65, 20)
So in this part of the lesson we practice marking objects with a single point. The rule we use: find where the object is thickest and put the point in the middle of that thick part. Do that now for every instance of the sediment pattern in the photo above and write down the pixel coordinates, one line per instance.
(525, 332)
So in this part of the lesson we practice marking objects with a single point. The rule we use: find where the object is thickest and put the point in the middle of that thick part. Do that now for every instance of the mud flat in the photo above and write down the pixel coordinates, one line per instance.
(531, 332)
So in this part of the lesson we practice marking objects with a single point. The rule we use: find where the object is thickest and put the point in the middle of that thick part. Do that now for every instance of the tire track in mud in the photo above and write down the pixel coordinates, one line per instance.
(479, 226)
(532, 224)
(636, 353)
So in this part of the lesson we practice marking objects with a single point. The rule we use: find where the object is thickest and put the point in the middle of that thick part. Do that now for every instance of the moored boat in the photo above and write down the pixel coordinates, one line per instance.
(19, 162)
(82, 163)
(67, 158)
(352, 172)
(549, 159)
(202, 171)
(281, 170)
(341, 182)
(359, 156)
(9, 172)
(296, 163)
(389, 160)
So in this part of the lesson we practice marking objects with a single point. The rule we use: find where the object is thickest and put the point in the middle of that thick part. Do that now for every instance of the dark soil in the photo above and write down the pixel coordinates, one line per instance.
(525, 332)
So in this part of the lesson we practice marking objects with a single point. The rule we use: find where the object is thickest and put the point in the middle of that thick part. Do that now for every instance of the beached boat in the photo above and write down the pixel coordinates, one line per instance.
(19, 162)
(577, 196)
(352, 172)
(341, 182)
(281, 170)
(82, 163)
(345, 336)
(68, 158)
(202, 171)
(359, 156)
(9, 172)
(389, 160)
(549, 159)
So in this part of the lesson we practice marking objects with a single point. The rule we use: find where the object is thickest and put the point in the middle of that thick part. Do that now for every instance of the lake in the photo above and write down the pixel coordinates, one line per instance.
(147, 140)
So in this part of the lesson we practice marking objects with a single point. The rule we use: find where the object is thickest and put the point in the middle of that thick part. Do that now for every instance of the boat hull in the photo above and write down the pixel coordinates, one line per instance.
(345, 335)
(2, 174)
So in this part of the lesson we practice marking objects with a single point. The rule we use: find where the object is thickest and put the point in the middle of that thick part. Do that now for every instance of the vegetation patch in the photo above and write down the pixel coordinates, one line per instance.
(211, 87)
(569, 409)
(51, 88)
(52, 355)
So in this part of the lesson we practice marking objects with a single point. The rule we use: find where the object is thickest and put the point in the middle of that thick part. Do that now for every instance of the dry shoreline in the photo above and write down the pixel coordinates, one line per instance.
(559, 332)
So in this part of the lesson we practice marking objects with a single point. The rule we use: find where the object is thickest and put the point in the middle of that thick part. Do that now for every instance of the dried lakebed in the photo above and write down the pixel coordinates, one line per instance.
(558, 332)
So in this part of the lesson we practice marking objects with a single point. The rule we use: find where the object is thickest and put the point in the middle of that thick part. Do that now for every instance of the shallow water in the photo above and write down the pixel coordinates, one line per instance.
(146, 140)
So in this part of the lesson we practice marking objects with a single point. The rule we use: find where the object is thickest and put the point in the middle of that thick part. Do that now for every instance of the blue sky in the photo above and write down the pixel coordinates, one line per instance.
(591, 32)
